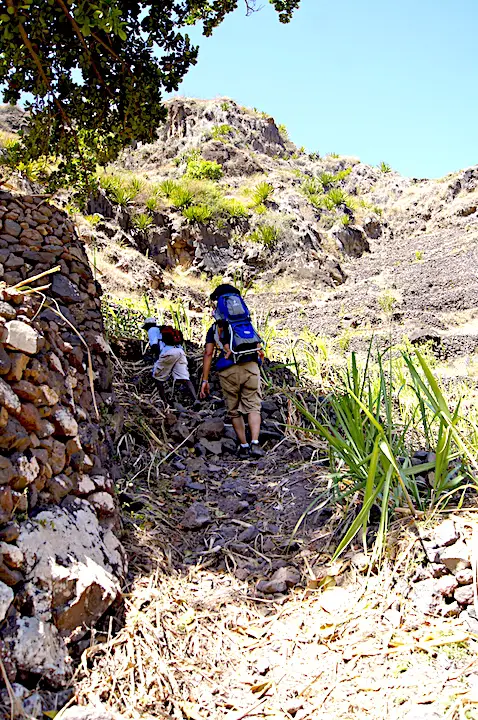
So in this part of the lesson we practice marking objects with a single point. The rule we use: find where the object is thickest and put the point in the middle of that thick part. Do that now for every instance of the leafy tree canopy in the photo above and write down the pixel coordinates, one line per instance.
(96, 71)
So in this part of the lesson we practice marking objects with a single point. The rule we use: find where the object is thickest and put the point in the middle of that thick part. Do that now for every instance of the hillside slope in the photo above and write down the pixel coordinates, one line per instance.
(330, 243)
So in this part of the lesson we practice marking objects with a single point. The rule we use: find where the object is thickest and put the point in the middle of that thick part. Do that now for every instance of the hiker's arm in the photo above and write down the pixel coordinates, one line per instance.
(206, 368)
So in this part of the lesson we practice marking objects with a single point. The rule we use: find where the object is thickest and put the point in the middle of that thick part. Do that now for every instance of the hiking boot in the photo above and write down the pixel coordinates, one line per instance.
(256, 450)
(243, 452)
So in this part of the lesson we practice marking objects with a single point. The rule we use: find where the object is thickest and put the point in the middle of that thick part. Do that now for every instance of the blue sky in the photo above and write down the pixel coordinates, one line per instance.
(391, 80)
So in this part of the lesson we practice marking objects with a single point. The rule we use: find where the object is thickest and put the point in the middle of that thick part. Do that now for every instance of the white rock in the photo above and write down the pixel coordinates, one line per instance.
(38, 648)
(85, 485)
(65, 423)
(103, 504)
(6, 599)
(90, 712)
(22, 337)
(73, 567)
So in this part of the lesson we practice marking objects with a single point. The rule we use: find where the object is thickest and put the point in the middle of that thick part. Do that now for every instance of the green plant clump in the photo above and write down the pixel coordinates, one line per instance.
(384, 167)
(198, 213)
(219, 132)
(181, 197)
(266, 235)
(234, 208)
(204, 170)
(262, 193)
(382, 413)
(142, 221)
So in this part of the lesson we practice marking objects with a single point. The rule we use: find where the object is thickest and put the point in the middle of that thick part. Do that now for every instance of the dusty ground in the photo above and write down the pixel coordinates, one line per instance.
(202, 637)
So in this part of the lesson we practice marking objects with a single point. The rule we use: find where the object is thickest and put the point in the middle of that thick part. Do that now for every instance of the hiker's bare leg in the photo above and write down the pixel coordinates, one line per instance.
(254, 420)
(240, 428)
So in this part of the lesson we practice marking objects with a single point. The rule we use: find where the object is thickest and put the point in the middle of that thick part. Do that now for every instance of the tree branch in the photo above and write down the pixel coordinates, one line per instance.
(81, 38)
(46, 80)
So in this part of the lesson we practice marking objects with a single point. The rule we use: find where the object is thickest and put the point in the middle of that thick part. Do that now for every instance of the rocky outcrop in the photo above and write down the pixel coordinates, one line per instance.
(12, 117)
(61, 566)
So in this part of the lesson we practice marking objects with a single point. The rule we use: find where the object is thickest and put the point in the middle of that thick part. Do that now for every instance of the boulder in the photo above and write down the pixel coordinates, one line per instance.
(73, 567)
(456, 557)
(89, 712)
(351, 240)
(211, 429)
(8, 399)
(37, 648)
(446, 533)
(65, 423)
(196, 517)
(63, 288)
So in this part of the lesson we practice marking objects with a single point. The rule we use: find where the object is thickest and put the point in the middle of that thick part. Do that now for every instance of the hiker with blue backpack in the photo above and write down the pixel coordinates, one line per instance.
(238, 365)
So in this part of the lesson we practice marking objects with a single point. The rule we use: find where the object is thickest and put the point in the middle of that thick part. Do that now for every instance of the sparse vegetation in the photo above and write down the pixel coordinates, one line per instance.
(283, 131)
(384, 167)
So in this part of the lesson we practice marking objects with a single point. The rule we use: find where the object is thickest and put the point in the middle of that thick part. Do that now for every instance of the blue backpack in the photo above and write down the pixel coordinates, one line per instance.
(233, 314)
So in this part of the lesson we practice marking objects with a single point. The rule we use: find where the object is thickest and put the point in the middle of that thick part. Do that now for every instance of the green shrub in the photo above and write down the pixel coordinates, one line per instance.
(342, 174)
(142, 221)
(136, 185)
(333, 155)
(383, 412)
(311, 187)
(204, 169)
(218, 132)
(198, 213)
(265, 235)
(262, 192)
(225, 106)
(181, 197)
(384, 167)
(345, 220)
(234, 208)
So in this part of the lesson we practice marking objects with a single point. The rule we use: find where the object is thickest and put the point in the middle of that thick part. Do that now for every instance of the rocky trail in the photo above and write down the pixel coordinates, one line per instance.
(233, 610)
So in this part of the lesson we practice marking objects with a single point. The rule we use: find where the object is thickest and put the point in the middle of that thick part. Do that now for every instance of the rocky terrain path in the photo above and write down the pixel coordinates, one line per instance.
(232, 611)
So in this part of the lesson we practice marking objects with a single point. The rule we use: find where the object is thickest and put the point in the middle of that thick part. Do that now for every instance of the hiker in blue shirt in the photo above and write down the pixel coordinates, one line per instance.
(237, 365)
(170, 359)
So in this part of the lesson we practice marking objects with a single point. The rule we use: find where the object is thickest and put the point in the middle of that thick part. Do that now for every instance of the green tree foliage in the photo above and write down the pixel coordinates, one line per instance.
(97, 71)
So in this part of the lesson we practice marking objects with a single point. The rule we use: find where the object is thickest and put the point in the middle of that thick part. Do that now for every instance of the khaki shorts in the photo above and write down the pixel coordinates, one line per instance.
(241, 387)
(172, 361)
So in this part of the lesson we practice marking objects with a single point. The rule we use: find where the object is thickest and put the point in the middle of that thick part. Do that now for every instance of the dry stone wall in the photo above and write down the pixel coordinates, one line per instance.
(61, 564)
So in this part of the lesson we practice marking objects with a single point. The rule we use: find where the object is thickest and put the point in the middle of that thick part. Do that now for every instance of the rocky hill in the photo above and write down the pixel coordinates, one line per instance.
(331, 243)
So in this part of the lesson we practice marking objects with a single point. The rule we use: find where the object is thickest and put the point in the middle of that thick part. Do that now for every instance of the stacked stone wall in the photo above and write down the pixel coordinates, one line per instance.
(61, 564)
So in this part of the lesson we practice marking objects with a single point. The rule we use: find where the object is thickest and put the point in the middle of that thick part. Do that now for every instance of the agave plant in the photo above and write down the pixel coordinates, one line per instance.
(198, 213)
(370, 442)
(142, 221)
(262, 193)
